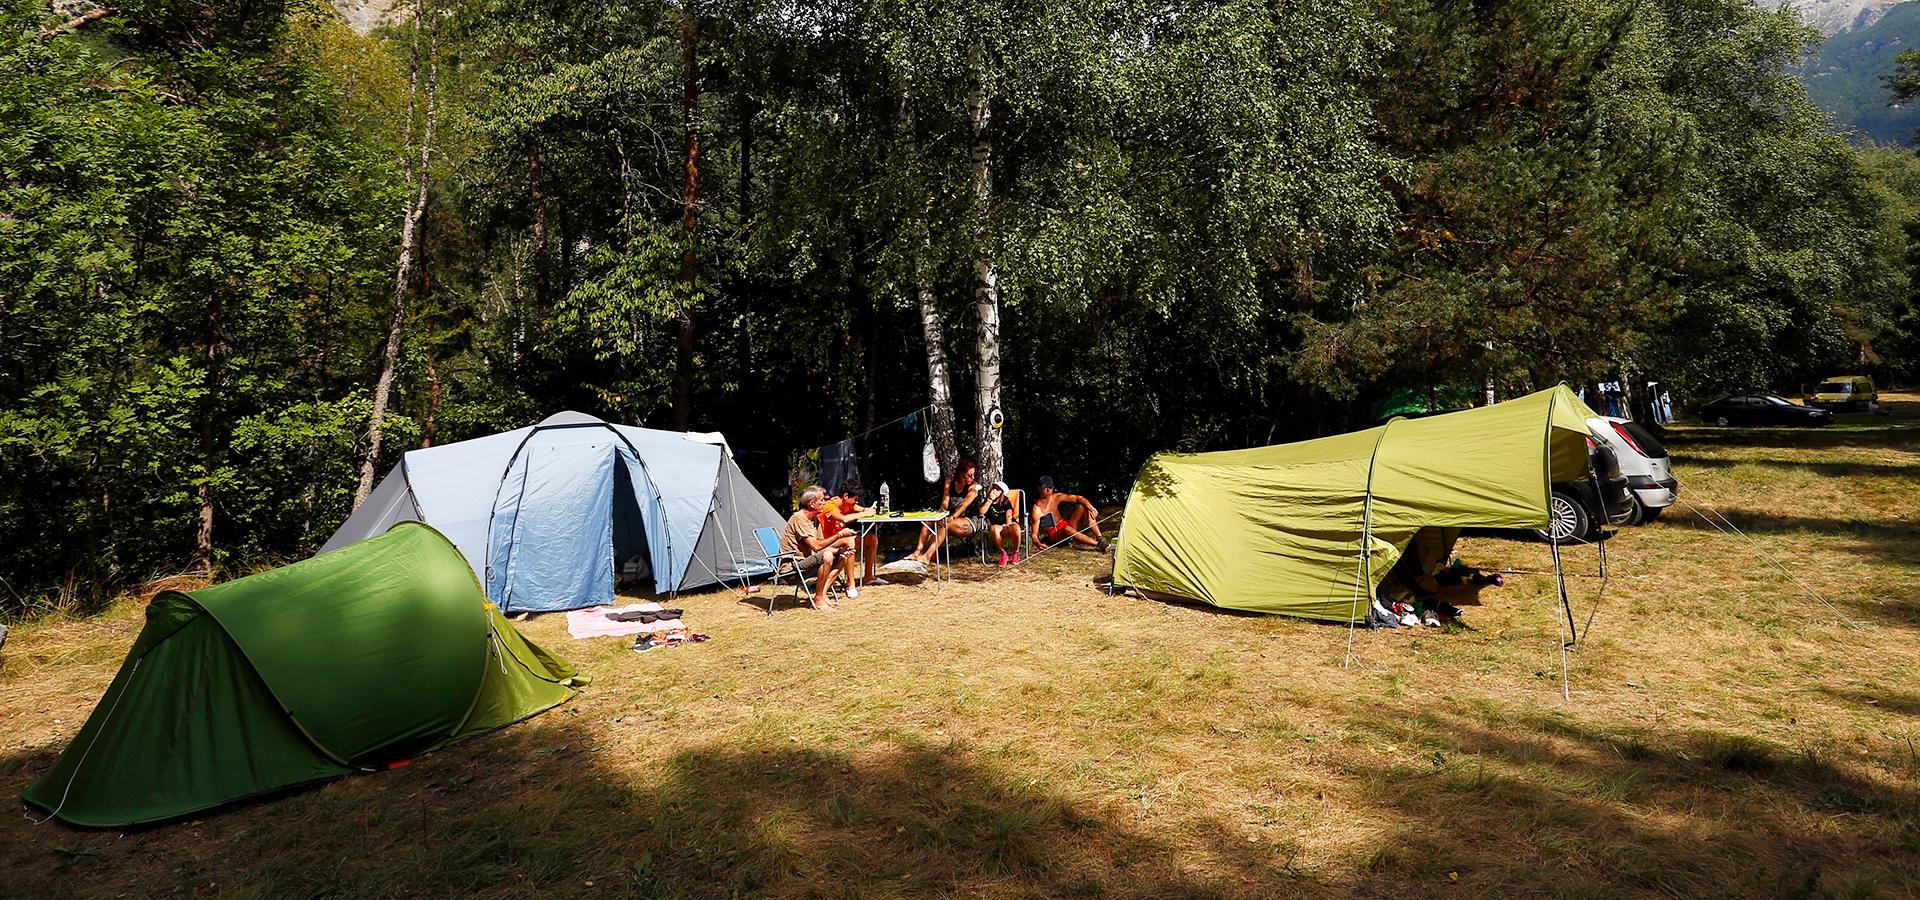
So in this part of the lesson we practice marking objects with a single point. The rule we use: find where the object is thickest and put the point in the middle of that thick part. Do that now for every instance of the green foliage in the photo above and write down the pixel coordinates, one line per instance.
(191, 229)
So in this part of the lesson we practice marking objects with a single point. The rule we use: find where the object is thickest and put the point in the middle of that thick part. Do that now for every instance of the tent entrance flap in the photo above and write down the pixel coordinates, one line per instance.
(551, 546)
(632, 557)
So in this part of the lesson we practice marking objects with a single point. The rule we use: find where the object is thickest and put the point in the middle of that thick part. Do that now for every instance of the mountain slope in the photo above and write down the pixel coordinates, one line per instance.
(1834, 16)
(1845, 77)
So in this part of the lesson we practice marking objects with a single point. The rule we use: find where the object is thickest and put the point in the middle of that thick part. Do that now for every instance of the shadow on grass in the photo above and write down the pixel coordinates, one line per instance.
(1540, 804)
(1898, 434)
(539, 810)
(1507, 803)
(1900, 704)
(1832, 469)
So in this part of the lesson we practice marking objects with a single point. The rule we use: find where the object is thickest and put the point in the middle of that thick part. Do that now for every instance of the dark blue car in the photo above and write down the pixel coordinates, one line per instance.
(1761, 409)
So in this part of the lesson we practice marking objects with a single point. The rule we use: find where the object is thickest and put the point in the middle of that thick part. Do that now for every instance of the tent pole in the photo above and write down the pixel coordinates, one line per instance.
(1363, 573)
(1562, 623)
(1598, 596)
(1365, 565)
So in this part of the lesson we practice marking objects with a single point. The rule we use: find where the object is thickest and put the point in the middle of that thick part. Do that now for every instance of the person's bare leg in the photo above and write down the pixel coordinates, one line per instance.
(846, 568)
(959, 528)
(872, 553)
(1014, 529)
(1079, 522)
(822, 577)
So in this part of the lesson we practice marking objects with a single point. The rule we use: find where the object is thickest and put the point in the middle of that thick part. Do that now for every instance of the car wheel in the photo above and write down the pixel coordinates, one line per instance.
(1567, 520)
(1636, 513)
(1721, 421)
(1650, 513)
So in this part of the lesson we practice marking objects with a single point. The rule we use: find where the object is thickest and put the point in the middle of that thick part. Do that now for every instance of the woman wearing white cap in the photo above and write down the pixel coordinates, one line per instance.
(1002, 522)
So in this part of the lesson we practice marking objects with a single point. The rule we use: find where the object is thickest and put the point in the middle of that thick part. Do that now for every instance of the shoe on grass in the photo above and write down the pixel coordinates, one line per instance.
(853, 593)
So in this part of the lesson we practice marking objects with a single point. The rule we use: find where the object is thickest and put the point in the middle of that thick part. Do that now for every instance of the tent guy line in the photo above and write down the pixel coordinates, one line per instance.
(67, 790)
(1784, 573)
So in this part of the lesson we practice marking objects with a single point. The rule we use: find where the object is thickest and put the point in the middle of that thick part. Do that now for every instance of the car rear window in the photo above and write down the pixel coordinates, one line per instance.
(1649, 444)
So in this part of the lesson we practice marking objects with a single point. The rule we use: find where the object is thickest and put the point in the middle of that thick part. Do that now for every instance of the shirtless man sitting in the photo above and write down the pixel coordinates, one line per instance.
(1053, 524)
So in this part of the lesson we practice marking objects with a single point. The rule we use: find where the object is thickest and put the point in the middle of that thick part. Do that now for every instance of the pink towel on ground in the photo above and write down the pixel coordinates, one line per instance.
(586, 623)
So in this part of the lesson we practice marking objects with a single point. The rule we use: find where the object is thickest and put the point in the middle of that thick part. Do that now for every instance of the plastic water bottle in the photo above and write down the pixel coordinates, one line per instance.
(886, 498)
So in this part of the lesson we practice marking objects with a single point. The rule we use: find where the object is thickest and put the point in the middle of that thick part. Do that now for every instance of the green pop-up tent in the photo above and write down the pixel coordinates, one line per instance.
(352, 660)
(1280, 529)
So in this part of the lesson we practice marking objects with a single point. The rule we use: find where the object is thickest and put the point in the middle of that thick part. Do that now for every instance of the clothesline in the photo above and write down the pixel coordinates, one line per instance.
(882, 426)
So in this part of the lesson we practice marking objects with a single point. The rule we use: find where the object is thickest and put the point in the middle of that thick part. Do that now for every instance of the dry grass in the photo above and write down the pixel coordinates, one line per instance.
(1028, 735)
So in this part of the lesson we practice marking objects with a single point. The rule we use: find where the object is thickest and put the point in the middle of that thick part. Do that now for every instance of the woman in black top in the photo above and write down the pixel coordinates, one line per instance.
(957, 484)
(963, 500)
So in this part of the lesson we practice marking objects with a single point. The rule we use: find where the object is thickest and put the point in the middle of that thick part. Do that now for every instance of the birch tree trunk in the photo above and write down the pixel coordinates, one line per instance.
(403, 277)
(986, 279)
(946, 444)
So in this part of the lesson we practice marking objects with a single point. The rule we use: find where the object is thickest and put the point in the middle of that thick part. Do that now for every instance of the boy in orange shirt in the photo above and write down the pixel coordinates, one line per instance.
(834, 525)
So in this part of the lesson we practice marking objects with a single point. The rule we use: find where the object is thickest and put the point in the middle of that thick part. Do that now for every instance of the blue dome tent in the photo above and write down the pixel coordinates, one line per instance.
(548, 514)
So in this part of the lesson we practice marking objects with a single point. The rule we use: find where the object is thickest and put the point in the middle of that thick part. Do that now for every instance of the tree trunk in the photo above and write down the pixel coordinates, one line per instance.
(403, 277)
(209, 464)
(946, 444)
(542, 293)
(690, 224)
(986, 279)
(433, 402)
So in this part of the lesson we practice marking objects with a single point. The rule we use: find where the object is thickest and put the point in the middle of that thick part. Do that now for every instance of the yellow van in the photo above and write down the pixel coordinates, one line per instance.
(1844, 392)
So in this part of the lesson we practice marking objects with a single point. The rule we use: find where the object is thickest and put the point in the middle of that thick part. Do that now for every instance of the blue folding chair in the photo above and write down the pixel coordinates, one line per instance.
(770, 545)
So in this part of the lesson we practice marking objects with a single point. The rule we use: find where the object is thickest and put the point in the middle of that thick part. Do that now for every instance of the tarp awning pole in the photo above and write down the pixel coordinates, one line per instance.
(1366, 544)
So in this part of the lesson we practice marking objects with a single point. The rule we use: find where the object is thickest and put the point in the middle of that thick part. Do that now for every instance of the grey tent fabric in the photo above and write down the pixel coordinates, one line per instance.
(721, 554)
(390, 504)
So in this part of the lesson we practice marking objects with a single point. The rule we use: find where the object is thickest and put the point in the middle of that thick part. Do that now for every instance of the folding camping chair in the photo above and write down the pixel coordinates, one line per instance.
(770, 545)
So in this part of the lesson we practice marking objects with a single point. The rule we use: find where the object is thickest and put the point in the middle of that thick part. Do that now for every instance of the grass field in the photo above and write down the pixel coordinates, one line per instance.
(1029, 735)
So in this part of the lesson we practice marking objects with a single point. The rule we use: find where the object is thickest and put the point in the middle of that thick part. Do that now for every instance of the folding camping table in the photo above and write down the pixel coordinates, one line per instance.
(870, 524)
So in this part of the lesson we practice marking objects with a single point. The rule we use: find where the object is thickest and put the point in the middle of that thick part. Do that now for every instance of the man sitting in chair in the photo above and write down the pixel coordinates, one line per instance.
(1053, 525)
(819, 557)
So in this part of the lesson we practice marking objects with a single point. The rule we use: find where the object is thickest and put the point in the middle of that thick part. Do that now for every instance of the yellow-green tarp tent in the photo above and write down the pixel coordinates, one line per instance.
(1279, 529)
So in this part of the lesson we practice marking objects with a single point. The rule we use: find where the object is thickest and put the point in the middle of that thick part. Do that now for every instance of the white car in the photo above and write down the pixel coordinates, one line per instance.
(1644, 460)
